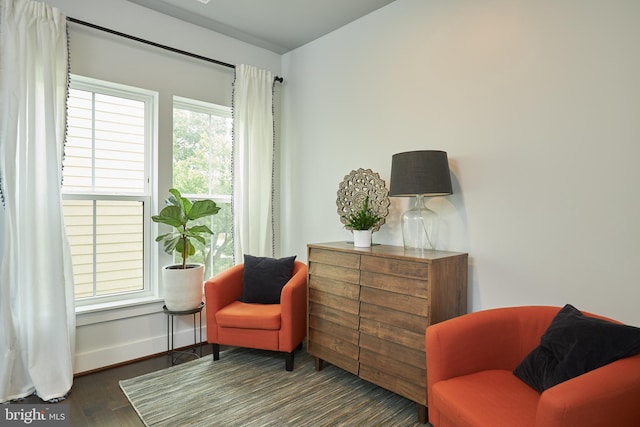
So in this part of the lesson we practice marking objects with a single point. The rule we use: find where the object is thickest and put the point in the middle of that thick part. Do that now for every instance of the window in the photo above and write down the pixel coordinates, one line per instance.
(202, 170)
(106, 189)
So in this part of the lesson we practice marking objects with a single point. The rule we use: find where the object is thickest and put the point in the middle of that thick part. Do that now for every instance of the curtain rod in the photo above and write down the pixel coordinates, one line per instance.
(161, 46)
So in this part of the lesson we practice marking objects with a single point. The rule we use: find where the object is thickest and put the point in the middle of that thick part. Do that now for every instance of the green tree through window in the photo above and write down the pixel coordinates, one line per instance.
(202, 169)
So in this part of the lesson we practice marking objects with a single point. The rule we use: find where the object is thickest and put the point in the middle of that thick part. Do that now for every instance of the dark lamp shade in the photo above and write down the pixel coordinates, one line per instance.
(420, 172)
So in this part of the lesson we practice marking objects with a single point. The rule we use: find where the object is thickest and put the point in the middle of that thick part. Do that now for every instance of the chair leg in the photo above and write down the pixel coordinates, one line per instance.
(288, 363)
(215, 349)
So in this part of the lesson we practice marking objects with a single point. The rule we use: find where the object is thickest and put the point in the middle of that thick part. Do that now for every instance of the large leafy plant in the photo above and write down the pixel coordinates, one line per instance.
(364, 218)
(180, 213)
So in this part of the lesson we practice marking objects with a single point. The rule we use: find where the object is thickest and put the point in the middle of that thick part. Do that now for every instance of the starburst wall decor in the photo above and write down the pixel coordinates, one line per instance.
(353, 190)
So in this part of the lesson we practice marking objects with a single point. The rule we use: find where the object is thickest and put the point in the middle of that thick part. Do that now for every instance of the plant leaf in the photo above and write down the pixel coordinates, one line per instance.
(191, 250)
(186, 207)
(198, 229)
(171, 215)
(181, 202)
(203, 208)
(164, 236)
(179, 246)
(199, 239)
(171, 244)
(176, 194)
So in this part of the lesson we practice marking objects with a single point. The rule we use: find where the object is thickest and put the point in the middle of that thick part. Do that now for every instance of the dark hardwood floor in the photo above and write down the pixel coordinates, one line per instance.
(97, 400)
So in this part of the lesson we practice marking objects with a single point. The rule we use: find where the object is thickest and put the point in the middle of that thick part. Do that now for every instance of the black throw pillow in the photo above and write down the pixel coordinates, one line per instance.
(573, 345)
(263, 278)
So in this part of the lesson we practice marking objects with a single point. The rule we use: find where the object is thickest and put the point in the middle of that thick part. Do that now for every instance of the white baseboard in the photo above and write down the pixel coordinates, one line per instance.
(127, 351)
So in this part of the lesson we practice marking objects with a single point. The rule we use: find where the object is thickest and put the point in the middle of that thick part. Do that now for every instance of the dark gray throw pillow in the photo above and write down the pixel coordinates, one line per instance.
(573, 345)
(263, 278)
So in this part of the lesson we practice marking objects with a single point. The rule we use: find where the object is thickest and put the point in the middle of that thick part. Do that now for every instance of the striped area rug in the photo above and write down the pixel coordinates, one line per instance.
(251, 388)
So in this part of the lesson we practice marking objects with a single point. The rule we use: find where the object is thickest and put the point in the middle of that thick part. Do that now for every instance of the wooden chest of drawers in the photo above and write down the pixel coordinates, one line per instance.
(369, 308)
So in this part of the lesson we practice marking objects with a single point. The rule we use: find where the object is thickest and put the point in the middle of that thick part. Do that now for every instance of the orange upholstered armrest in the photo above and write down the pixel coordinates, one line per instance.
(293, 305)
(490, 339)
(607, 396)
(221, 290)
(470, 343)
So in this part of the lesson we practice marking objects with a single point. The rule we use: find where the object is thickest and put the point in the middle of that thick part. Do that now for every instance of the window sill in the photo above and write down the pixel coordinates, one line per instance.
(106, 312)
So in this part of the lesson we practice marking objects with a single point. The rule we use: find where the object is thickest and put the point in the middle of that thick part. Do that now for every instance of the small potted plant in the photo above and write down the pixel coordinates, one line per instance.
(183, 282)
(361, 222)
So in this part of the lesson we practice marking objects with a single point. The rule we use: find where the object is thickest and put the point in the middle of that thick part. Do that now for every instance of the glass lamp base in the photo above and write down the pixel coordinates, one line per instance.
(419, 227)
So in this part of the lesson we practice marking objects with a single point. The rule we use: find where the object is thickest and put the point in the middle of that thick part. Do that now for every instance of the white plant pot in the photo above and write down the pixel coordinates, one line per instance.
(362, 238)
(183, 288)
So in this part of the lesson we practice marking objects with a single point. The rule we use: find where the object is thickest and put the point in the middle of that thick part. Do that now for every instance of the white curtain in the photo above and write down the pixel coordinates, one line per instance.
(37, 319)
(253, 151)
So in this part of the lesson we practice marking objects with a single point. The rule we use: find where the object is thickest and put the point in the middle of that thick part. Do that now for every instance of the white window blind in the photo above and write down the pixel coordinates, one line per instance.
(106, 189)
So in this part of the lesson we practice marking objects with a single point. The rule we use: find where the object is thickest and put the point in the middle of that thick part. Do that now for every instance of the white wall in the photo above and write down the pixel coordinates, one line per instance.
(107, 337)
(537, 104)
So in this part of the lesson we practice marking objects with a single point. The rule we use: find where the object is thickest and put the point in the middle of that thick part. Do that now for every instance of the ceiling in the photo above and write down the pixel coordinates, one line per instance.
(276, 25)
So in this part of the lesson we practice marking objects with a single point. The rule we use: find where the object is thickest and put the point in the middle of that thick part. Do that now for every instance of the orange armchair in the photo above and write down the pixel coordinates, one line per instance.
(277, 327)
(470, 360)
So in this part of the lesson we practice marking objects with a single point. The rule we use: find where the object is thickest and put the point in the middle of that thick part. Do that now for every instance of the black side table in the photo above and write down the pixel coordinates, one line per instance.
(170, 344)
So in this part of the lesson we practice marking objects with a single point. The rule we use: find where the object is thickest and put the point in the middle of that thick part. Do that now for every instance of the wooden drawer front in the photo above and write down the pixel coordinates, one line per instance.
(394, 384)
(410, 356)
(390, 333)
(392, 366)
(349, 364)
(341, 259)
(335, 272)
(327, 343)
(398, 319)
(345, 333)
(345, 304)
(401, 285)
(396, 267)
(335, 287)
(334, 315)
(400, 302)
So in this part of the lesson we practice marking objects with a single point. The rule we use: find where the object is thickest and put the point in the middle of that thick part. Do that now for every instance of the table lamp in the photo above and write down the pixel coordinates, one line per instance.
(420, 173)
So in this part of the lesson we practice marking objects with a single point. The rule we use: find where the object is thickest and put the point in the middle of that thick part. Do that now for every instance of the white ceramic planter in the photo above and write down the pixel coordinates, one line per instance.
(183, 288)
(362, 238)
